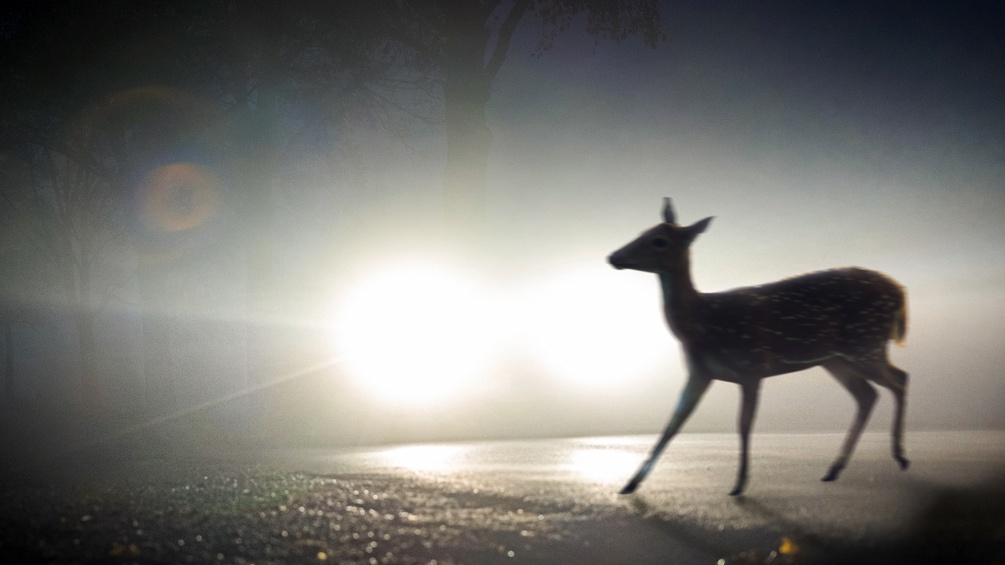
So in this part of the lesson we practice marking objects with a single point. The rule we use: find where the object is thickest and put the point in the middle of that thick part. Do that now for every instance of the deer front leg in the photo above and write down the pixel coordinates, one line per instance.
(692, 393)
(751, 391)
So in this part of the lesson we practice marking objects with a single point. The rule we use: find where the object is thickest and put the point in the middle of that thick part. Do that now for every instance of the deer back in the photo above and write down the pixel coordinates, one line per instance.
(795, 323)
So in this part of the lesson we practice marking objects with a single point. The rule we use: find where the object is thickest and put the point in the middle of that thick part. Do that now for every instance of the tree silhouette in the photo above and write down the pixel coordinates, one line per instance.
(73, 112)
(22, 272)
(75, 217)
(95, 98)
(469, 41)
(277, 78)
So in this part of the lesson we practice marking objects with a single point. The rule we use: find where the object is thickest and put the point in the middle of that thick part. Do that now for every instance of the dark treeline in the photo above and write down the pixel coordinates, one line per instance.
(143, 148)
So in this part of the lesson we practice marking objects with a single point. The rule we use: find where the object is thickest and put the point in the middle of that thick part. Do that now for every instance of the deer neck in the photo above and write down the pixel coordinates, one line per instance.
(679, 299)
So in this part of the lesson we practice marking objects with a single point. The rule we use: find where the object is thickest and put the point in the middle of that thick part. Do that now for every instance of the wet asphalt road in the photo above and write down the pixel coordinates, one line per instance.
(549, 501)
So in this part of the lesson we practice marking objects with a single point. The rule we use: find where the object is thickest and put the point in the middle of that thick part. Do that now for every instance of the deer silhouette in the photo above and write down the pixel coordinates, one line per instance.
(839, 319)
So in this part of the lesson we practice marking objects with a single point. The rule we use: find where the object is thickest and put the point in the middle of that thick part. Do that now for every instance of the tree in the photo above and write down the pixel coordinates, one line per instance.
(81, 143)
(76, 221)
(161, 138)
(469, 41)
(278, 77)
(21, 270)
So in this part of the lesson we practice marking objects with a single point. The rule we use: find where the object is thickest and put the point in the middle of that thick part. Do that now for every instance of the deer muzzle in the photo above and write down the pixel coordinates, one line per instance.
(616, 261)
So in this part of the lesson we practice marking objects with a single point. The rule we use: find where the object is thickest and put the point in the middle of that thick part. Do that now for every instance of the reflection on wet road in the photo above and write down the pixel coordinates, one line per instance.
(538, 501)
(587, 460)
(544, 501)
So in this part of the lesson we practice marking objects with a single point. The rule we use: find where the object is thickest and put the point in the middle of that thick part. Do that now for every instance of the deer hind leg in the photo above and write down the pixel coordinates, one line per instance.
(865, 397)
(689, 397)
(899, 390)
(887, 375)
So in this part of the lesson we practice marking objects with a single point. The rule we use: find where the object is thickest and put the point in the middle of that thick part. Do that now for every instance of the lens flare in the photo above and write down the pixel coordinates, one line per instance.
(178, 197)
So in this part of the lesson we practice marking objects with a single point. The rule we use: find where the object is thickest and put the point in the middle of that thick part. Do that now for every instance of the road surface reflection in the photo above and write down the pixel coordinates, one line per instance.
(606, 460)
(560, 496)
(542, 501)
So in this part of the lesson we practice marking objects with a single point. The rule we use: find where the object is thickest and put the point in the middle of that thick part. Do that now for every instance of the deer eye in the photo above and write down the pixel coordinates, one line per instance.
(659, 242)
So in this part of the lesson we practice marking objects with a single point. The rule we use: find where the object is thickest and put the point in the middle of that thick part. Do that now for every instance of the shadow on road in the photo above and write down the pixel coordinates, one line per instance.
(954, 525)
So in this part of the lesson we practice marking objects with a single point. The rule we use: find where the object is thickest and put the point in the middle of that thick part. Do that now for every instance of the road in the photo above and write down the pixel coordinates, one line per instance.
(542, 501)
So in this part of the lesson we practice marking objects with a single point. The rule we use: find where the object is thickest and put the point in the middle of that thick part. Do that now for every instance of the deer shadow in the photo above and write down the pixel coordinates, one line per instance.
(954, 524)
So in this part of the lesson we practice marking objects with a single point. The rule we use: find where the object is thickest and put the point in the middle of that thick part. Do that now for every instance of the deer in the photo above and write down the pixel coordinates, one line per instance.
(839, 319)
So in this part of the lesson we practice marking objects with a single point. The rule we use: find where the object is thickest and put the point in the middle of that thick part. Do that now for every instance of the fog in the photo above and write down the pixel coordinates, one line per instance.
(815, 138)
(806, 159)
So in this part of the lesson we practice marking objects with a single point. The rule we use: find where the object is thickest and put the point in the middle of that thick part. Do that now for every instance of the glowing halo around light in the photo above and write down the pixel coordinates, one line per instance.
(596, 328)
(415, 333)
(178, 197)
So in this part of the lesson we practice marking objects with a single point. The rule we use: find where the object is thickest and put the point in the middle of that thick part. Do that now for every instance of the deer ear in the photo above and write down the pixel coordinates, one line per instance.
(668, 213)
(698, 227)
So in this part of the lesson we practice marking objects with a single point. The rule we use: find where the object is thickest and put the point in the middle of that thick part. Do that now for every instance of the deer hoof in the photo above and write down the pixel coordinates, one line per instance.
(904, 463)
(629, 488)
(741, 485)
(832, 475)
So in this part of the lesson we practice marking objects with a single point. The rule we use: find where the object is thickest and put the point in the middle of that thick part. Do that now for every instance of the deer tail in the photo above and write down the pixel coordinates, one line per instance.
(898, 333)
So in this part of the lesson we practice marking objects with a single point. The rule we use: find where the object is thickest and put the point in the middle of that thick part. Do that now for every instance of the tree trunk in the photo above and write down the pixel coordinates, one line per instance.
(469, 140)
(8, 335)
(466, 93)
(157, 388)
(469, 68)
(468, 143)
(78, 292)
(92, 393)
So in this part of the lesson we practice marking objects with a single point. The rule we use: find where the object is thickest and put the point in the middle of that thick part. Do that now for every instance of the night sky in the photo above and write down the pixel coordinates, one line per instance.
(819, 134)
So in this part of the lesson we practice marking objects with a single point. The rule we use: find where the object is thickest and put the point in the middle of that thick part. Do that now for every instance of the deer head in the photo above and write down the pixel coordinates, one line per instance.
(662, 248)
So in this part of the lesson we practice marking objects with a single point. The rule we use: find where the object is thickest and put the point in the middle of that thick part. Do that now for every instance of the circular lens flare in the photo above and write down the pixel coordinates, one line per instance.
(178, 197)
